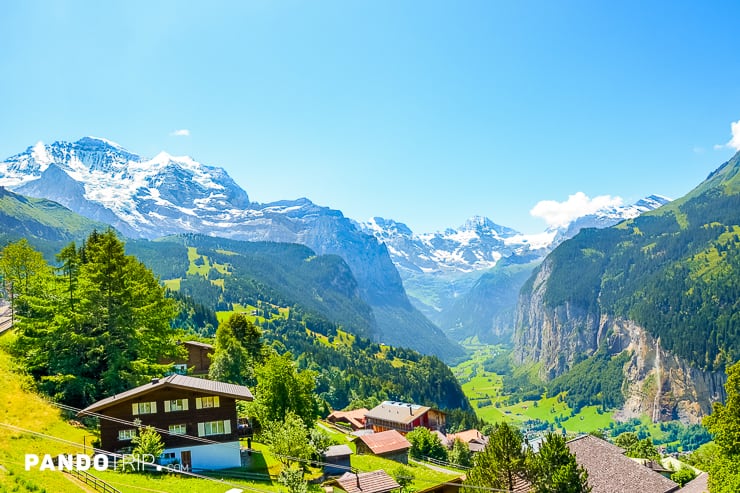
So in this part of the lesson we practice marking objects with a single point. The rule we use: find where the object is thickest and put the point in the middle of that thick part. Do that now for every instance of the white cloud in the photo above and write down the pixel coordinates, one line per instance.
(183, 132)
(560, 214)
(734, 142)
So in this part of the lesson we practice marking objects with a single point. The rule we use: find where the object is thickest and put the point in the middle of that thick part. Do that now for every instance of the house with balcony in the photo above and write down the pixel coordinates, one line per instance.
(197, 419)
(403, 417)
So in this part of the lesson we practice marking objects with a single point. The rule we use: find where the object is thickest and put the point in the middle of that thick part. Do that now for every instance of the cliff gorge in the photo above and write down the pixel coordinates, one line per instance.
(662, 286)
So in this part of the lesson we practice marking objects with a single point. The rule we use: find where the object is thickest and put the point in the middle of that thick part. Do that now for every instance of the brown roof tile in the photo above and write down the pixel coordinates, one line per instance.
(610, 471)
(213, 387)
(367, 482)
(385, 441)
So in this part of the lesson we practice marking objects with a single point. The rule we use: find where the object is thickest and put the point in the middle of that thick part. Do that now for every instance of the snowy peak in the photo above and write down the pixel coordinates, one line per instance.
(140, 192)
(480, 243)
(477, 244)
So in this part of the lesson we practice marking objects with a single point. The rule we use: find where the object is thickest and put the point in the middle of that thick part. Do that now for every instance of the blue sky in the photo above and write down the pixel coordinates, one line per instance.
(425, 112)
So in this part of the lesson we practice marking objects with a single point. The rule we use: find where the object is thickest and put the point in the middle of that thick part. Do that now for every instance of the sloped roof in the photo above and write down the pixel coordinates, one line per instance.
(697, 485)
(175, 381)
(468, 436)
(198, 344)
(385, 442)
(397, 412)
(355, 417)
(610, 471)
(367, 482)
(338, 451)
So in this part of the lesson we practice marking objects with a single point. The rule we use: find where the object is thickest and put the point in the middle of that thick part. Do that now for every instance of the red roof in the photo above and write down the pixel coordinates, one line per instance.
(355, 417)
(385, 442)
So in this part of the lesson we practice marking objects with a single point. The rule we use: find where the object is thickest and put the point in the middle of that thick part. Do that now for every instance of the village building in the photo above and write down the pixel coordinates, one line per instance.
(197, 361)
(365, 482)
(354, 419)
(610, 471)
(403, 417)
(337, 460)
(198, 419)
(389, 444)
(474, 439)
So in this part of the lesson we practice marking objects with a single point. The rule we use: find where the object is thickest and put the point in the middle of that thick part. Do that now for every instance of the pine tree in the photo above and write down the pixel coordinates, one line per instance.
(555, 470)
(501, 462)
(104, 332)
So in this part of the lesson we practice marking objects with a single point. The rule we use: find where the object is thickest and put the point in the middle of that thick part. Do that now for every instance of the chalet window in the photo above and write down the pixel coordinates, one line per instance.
(176, 405)
(144, 408)
(178, 429)
(214, 428)
(206, 402)
(126, 434)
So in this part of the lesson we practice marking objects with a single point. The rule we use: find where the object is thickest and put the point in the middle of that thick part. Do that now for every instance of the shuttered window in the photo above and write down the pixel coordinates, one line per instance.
(206, 402)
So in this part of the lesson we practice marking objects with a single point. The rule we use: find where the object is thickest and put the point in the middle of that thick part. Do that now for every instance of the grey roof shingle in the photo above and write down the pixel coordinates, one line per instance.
(397, 412)
(610, 471)
(213, 387)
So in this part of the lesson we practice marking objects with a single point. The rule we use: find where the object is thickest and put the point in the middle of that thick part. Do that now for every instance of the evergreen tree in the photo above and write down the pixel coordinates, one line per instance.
(230, 361)
(281, 389)
(104, 332)
(724, 424)
(555, 470)
(500, 463)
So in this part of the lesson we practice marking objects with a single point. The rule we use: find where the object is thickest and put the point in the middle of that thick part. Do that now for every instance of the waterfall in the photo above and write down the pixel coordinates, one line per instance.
(656, 402)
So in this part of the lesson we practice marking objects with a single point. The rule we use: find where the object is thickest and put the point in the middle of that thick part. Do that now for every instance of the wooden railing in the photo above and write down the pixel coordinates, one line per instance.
(95, 483)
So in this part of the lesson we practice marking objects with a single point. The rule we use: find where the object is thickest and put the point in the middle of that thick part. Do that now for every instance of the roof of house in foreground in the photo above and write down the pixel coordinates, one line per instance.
(367, 482)
(610, 471)
(175, 381)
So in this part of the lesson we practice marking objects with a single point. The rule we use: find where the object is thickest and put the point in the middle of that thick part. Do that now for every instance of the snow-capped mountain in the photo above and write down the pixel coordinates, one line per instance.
(150, 198)
(480, 243)
(476, 245)
(609, 216)
(466, 280)
(141, 197)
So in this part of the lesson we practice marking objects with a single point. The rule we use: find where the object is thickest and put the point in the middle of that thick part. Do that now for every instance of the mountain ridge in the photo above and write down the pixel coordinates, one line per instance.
(662, 285)
(172, 195)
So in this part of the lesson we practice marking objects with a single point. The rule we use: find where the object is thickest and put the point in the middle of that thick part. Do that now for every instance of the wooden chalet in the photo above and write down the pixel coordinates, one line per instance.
(403, 417)
(389, 444)
(197, 362)
(191, 412)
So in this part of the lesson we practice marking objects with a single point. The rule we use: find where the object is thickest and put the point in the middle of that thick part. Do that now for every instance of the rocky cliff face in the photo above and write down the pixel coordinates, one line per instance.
(660, 384)
(657, 382)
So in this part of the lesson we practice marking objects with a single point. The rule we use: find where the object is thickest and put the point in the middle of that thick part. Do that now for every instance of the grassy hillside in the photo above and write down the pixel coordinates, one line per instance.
(675, 271)
(22, 408)
(46, 224)
(220, 273)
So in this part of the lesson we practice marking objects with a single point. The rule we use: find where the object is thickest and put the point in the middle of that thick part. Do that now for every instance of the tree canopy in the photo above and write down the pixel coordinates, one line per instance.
(99, 327)
(724, 424)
